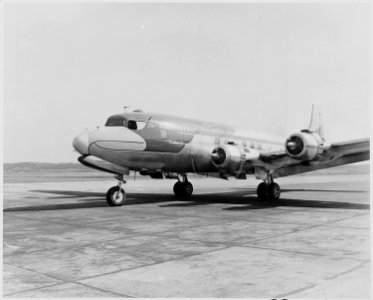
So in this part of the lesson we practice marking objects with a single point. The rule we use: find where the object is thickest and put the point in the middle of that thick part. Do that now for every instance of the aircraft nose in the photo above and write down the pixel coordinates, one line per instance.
(81, 143)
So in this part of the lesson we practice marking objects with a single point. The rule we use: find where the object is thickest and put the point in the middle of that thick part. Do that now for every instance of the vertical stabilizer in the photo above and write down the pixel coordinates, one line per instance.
(316, 122)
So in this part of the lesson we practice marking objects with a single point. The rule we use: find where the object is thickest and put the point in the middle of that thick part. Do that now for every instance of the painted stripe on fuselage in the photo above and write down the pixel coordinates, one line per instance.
(169, 134)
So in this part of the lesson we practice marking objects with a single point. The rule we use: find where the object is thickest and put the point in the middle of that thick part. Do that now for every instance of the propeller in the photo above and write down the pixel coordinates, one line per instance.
(294, 145)
(218, 156)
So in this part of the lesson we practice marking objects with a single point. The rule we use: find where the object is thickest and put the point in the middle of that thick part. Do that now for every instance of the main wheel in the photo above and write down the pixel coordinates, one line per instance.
(187, 189)
(262, 191)
(268, 192)
(115, 196)
(274, 191)
(178, 188)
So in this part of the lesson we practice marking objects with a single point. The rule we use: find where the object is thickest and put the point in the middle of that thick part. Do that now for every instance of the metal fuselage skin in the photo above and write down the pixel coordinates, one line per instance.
(164, 143)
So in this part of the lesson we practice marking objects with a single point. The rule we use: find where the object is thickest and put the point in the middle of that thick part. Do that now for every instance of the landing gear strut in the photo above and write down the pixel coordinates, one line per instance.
(183, 188)
(268, 190)
(116, 195)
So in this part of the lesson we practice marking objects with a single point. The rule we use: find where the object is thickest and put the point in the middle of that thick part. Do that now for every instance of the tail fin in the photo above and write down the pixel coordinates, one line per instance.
(316, 122)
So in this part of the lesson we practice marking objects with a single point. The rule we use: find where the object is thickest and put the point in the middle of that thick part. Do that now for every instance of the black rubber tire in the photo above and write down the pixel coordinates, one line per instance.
(262, 191)
(187, 189)
(268, 192)
(274, 192)
(111, 196)
(178, 188)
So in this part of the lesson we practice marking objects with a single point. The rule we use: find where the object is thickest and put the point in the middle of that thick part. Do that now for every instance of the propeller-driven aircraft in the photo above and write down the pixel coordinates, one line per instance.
(164, 146)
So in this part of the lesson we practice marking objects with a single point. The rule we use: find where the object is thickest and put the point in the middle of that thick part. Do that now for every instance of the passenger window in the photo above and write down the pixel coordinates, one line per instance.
(132, 125)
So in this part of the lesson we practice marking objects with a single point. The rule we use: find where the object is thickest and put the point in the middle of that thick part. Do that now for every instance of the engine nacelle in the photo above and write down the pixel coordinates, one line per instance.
(229, 159)
(304, 145)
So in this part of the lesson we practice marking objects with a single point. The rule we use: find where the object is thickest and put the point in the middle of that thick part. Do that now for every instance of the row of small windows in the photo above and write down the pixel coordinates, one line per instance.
(253, 145)
(245, 144)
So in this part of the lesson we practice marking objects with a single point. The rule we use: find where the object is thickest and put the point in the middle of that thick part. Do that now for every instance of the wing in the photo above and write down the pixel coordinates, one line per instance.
(281, 164)
(307, 151)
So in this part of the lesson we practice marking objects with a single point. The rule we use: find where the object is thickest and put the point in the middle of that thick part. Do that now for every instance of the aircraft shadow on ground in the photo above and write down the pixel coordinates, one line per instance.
(316, 190)
(247, 198)
(98, 203)
(300, 203)
(250, 201)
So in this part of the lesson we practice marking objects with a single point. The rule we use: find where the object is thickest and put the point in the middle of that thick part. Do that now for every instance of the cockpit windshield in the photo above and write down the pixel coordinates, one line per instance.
(122, 121)
(116, 121)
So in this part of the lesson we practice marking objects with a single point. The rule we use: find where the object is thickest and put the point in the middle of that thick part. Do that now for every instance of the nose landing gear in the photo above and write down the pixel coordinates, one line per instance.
(268, 190)
(116, 195)
(183, 188)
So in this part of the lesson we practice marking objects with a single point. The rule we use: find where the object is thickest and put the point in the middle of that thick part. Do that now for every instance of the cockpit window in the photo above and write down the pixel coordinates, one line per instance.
(132, 125)
(116, 122)
(136, 125)
(121, 121)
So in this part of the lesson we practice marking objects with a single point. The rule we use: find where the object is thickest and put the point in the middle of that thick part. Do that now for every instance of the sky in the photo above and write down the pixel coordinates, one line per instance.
(68, 66)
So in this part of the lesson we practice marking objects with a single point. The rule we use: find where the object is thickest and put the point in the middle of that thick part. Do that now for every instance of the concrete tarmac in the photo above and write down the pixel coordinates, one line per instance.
(62, 240)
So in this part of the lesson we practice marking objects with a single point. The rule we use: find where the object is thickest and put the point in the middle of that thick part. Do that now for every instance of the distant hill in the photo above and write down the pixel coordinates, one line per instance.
(77, 167)
(42, 166)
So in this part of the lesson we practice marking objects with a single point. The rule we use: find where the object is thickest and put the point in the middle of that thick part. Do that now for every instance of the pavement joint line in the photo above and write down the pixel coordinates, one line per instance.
(307, 287)
(300, 252)
(34, 289)
(364, 262)
(30, 270)
(27, 290)
(348, 227)
(102, 290)
(305, 228)
(60, 283)
(327, 278)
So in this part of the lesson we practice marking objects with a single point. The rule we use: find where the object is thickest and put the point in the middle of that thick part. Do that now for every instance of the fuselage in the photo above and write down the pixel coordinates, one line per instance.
(163, 143)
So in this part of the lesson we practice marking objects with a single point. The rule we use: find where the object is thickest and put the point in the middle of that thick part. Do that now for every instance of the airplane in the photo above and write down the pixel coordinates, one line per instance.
(165, 146)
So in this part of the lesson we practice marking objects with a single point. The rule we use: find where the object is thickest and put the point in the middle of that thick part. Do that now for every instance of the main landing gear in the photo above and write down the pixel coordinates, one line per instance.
(116, 195)
(183, 188)
(268, 190)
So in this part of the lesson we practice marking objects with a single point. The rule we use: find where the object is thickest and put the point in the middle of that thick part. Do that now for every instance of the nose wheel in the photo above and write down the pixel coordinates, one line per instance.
(268, 190)
(183, 188)
(116, 195)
